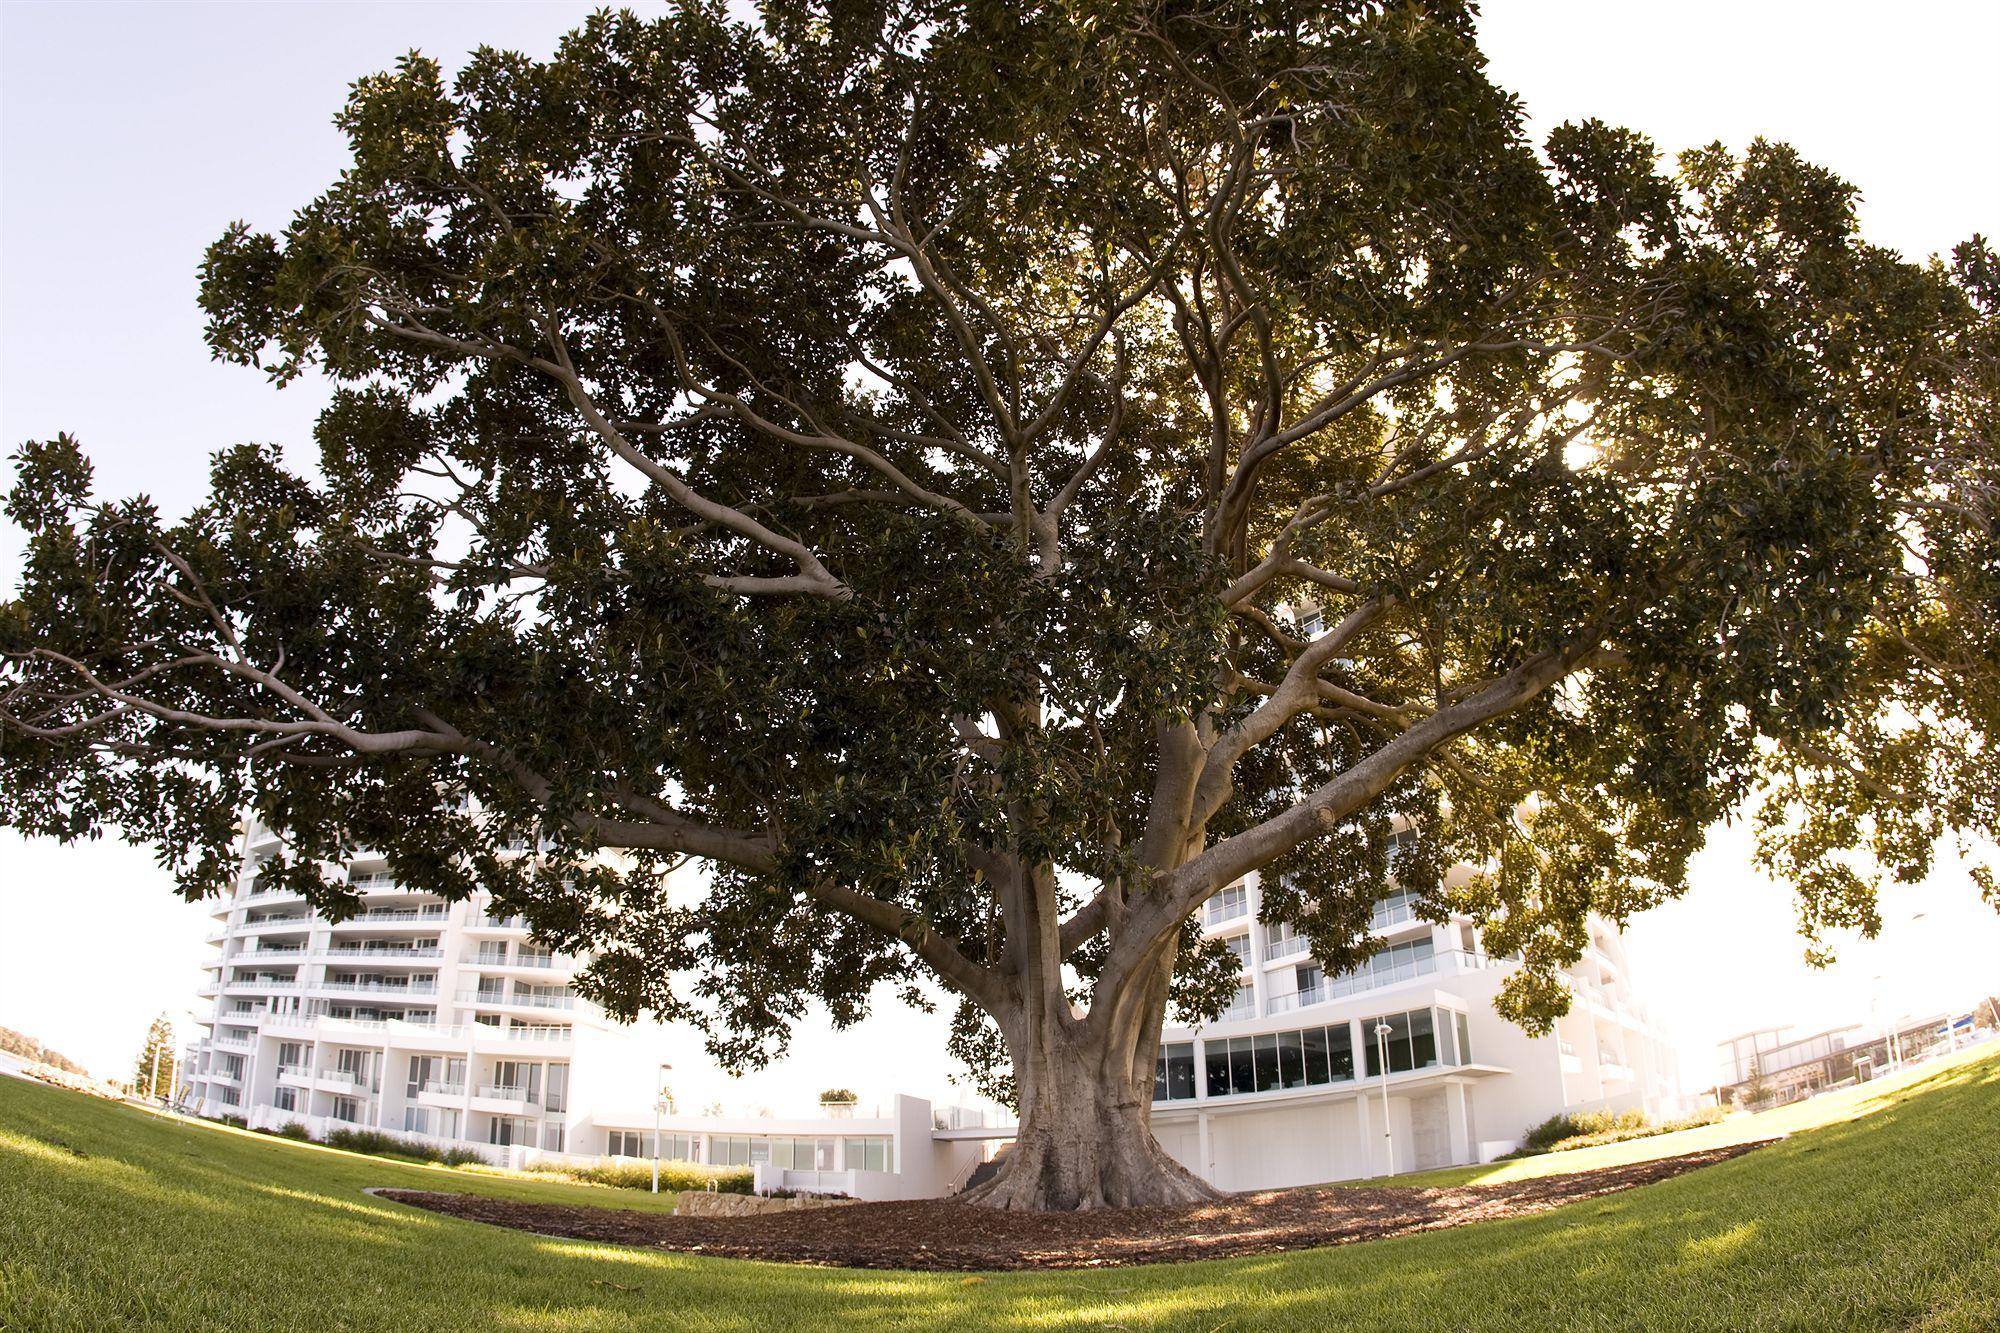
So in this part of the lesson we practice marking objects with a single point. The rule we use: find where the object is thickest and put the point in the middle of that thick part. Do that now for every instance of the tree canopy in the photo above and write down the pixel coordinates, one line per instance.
(982, 478)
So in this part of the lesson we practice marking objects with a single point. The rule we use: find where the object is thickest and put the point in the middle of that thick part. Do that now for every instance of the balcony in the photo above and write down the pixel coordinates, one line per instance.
(379, 954)
(538, 1034)
(261, 983)
(1297, 1000)
(338, 1078)
(440, 1088)
(1289, 946)
(487, 921)
(521, 999)
(383, 915)
(378, 987)
(234, 1043)
(483, 959)
(506, 1092)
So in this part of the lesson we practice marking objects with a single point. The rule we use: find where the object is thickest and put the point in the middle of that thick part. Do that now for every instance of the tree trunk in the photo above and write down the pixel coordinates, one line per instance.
(1086, 1138)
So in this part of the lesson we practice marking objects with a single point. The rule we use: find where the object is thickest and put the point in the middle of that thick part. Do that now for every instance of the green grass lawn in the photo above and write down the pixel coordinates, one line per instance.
(1881, 1211)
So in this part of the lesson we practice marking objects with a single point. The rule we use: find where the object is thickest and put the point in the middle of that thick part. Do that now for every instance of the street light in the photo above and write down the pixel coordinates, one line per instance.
(1382, 1031)
(659, 1105)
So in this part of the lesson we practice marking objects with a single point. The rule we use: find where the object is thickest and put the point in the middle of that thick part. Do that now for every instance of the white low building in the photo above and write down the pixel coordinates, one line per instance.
(1300, 1083)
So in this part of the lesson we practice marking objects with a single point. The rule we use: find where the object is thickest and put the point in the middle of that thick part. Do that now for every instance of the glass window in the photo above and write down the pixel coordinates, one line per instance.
(1312, 1045)
(1397, 1042)
(1291, 1060)
(1340, 1052)
(1242, 1065)
(1423, 1039)
(1177, 1065)
(1464, 1040)
(1267, 1061)
(1240, 946)
(1216, 1056)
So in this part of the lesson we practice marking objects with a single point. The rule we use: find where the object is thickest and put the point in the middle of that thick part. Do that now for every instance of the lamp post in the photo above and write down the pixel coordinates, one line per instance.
(659, 1105)
(1382, 1031)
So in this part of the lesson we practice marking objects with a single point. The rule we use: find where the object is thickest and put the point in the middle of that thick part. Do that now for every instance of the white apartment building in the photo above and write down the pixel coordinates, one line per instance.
(416, 1016)
(444, 1022)
(1289, 1086)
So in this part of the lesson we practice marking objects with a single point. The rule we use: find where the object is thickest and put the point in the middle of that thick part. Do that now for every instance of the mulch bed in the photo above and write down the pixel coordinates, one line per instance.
(942, 1234)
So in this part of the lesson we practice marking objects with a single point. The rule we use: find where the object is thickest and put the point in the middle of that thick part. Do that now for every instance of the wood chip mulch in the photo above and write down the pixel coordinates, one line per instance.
(943, 1234)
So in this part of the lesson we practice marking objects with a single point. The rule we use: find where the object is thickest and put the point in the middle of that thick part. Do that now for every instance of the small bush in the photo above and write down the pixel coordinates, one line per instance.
(675, 1176)
(460, 1157)
(378, 1144)
(1589, 1129)
(294, 1129)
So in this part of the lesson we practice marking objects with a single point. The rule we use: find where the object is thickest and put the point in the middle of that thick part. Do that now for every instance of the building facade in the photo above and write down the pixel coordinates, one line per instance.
(444, 1022)
(1402, 1064)
(435, 1020)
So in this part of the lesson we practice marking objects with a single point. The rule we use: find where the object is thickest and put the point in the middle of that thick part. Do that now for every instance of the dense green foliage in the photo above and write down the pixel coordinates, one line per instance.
(1861, 1224)
(893, 455)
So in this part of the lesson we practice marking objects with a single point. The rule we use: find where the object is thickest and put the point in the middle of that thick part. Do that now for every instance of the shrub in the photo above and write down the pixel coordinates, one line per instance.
(1588, 1129)
(675, 1176)
(460, 1157)
(294, 1129)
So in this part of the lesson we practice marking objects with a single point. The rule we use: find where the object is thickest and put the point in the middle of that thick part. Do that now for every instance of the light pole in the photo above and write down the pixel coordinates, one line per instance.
(659, 1105)
(1382, 1031)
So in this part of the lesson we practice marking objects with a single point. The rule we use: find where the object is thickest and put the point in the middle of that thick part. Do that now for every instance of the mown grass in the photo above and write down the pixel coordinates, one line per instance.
(1889, 1218)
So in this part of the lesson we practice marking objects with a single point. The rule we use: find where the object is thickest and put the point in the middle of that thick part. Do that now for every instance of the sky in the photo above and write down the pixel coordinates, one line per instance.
(132, 134)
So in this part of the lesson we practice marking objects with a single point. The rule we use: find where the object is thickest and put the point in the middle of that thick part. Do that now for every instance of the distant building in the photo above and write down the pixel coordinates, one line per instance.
(1770, 1067)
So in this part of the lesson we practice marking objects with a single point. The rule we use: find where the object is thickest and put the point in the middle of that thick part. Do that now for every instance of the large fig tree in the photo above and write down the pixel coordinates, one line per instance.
(979, 479)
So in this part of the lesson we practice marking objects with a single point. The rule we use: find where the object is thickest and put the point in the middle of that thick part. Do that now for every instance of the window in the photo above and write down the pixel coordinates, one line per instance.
(1266, 1061)
(1464, 1039)
(626, 1143)
(285, 1099)
(1244, 1005)
(1295, 1058)
(417, 1119)
(552, 1136)
(1174, 1080)
(1307, 980)
(869, 1154)
(1411, 1041)
(1229, 904)
(558, 1087)
(1240, 946)
(1312, 624)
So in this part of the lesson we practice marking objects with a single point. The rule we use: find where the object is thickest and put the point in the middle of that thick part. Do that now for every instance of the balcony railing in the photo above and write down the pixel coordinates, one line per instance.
(428, 912)
(1283, 947)
(294, 1071)
(538, 1034)
(379, 952)
(526, 999)
(261, 983)
(1297, 999)
(379, 987)
(491, 922)
(506, 1092)
(484, 959)
(443, 1089)
(346, 1077)
(1393, 912)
